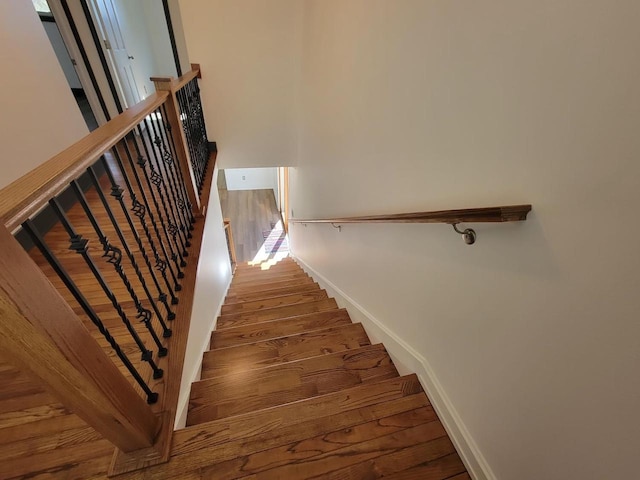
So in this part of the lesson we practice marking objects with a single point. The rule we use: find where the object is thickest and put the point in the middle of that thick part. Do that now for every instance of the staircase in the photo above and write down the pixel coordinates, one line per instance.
(292, 389)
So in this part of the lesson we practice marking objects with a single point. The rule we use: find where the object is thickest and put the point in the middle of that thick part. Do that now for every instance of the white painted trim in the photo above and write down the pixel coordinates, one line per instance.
(408, 360)
(183, 400)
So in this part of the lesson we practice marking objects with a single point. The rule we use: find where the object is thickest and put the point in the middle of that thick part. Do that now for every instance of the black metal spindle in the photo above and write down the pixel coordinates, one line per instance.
(174, 181)
(79, 245)
(153, 177)
(143, 314)
(163, 167)
(181, 180)
(185, 114)
(201, 128)
(140, 210)
(39, 242)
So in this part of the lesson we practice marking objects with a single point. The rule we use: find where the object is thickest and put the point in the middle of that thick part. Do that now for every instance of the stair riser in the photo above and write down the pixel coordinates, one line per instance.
(261, 295)
(252, 289)
(267, 279)
(278, 328)
(234, 320)
(284, 349)
(273, 302)
(276, 385)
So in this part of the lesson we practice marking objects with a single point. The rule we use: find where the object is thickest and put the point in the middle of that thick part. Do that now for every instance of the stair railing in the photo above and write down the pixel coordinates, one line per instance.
(104, 322)
(187, 104)
(231, 246)
(512, 213)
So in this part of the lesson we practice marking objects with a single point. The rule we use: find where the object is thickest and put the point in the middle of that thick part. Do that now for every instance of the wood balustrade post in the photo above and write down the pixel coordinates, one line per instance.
(40, 333)
(168, 84)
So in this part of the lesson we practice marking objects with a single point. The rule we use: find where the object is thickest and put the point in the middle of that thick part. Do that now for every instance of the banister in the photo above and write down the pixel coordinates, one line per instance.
(510, 213)
(29, 193)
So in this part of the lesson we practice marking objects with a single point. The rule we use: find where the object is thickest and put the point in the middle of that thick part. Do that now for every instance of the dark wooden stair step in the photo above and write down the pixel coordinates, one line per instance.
(266, 387)
(236, 319)
(276, 301)
(277, 292)
(284, 349)
(278, 328)
(243, 290)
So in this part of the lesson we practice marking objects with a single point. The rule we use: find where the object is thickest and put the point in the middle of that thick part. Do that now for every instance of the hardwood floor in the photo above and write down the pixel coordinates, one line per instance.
(252, 213)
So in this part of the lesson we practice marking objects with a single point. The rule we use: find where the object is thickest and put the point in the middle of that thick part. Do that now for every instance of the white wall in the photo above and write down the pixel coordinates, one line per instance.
(51, 28)
(158, 32)
(249, 55)
(252, 179)
(39, 114)
(213, 278)
(532, 333)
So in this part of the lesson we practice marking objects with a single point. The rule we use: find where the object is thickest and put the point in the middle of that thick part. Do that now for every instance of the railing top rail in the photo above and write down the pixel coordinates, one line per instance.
(511, 213)
(177, 83)
(29, 193)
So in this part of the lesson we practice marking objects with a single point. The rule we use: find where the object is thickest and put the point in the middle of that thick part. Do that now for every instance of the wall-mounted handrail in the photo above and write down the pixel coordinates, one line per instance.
(230, 243)
(510, 213)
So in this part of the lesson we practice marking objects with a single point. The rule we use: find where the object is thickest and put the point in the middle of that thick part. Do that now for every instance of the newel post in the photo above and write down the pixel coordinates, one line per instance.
(170, 85)
(40, 333)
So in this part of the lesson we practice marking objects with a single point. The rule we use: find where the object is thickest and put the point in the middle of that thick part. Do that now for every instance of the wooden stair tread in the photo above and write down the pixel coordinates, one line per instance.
(277, 292)
(236, 319)
(317, 455)
(258, 270)
(235, 290)
(283, 349)
(262, 422)
(274, 301)
(233, 394)
(267, 278)
(278, 328)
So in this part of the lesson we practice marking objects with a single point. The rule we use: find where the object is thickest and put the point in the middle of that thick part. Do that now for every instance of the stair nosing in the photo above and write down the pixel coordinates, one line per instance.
(376, 346)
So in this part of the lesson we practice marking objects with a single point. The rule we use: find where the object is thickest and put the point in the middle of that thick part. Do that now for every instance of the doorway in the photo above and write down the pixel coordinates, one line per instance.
(55, 23)
(135, 39)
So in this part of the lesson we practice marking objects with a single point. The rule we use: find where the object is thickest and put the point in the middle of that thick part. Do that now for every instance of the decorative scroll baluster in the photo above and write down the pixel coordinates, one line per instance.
(170, 229)
(194, 129)
(38, 241)
(143, 314)
(168, 158)
(79, 245)
(182, 185)
(163, 167)
(140, 210)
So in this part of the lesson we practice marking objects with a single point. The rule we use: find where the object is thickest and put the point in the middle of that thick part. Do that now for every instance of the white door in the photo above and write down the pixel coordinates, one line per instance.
(107, 16)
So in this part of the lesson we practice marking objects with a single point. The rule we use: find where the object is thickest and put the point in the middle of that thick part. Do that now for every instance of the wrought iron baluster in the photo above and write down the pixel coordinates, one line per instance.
(38, 240)
(186, 127)
(143, 314)
(171, 228)
(79, 245)
(200, 126)
(169, 158)
(181, 181)
(161, 165)
(141, 210)
(153, 177)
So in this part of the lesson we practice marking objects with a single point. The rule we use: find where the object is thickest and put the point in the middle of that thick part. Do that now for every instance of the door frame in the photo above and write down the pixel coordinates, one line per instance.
(83, 69)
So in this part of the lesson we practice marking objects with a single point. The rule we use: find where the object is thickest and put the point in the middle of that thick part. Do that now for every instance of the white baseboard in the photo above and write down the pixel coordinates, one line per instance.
(183, 400)
(408, 360)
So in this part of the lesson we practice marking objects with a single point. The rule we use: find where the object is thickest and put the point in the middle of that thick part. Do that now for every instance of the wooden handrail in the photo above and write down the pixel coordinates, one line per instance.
(232, 246)
(511, 213)
(28, 194)
(177, 83)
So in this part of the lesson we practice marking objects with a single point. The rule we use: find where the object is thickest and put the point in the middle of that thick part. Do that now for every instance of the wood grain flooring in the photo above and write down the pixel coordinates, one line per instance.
(251, 212)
